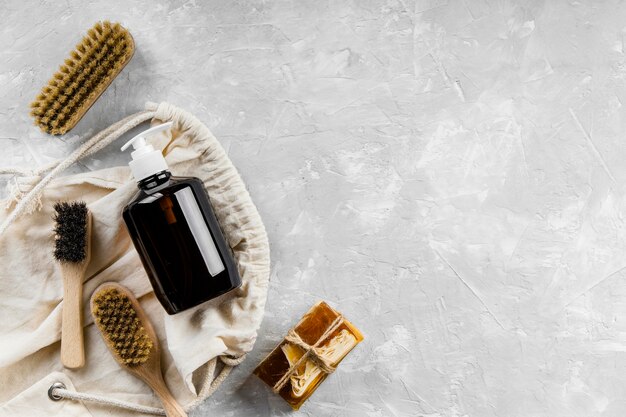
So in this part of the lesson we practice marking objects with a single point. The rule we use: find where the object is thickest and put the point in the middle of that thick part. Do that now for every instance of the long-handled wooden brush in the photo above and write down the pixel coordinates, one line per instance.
(131, 339)
(90, 68)
(72, 250)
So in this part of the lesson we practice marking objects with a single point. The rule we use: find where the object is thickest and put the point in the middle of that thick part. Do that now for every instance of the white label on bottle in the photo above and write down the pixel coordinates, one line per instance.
(199, 230)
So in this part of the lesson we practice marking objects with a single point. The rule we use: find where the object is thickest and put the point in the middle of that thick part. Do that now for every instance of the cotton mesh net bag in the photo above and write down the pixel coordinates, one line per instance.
(200, 345)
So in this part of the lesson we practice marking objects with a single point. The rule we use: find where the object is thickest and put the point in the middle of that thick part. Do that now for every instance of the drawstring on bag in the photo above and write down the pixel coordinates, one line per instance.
(93, 145)
(58, 390)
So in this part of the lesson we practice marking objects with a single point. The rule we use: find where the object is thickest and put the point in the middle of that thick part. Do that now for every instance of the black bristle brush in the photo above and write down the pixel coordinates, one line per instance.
(72, 250)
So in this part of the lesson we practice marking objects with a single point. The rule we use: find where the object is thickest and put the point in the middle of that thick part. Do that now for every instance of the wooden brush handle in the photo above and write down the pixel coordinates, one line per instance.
(72, 344)
(170, 405)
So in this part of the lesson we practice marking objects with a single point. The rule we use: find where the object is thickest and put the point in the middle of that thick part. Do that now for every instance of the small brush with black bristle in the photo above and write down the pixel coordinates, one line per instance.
(72, 250)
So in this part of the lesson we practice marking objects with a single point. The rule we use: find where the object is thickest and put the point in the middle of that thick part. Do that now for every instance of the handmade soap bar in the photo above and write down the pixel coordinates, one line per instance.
(310, 351)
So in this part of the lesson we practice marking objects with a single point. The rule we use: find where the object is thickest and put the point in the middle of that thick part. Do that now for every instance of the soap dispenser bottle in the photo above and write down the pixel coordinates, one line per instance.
(175, 232)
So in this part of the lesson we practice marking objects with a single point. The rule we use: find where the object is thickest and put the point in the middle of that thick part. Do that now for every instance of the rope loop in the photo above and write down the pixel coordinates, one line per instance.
(91, 146)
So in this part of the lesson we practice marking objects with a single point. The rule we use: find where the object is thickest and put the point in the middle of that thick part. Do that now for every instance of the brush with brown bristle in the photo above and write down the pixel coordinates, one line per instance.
(131, 339)
(72, 249)
(78, 83)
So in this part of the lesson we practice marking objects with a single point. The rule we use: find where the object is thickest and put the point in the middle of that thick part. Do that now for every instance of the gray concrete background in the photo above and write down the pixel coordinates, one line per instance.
(448, 174)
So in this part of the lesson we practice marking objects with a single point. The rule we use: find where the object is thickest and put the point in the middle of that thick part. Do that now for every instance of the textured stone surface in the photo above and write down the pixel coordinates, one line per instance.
(448, 175)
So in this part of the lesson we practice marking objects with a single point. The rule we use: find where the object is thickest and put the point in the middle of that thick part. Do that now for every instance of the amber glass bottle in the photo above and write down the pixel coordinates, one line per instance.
(174, 230)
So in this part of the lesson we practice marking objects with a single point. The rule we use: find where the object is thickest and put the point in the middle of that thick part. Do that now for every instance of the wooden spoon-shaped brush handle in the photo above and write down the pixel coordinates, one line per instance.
(72, 344)
(171, 406)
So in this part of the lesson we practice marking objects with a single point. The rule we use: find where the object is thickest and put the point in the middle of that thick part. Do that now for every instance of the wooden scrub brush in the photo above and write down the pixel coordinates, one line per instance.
(91, 67)
(131, 339)
(72, 249)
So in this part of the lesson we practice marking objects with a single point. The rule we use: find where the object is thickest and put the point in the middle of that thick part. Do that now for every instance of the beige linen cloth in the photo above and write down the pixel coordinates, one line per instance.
(200, 345)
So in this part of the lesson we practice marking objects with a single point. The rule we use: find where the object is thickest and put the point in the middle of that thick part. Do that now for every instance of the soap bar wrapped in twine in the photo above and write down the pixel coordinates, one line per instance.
(312, 352)
(308, 354)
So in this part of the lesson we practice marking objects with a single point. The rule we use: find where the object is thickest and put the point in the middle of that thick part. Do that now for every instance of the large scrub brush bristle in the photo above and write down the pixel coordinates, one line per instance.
(91, 67)
(117, 319)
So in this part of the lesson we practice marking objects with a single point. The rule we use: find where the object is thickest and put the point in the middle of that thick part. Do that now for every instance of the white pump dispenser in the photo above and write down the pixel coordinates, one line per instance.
(147, 161)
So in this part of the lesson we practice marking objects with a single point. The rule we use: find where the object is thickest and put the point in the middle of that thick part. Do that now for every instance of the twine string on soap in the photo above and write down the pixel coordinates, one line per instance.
(310, 352)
